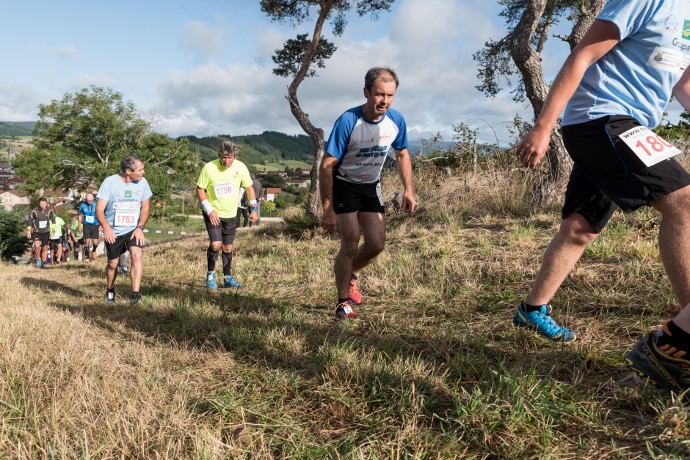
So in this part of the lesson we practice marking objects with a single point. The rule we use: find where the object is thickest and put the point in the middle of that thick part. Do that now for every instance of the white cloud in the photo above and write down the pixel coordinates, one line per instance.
(67, 51)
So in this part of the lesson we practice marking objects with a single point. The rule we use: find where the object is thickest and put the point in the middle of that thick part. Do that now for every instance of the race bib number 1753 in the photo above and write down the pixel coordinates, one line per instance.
(648, 146)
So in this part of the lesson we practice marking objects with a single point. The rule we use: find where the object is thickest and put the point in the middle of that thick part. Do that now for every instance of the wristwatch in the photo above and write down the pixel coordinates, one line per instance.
(141, 227)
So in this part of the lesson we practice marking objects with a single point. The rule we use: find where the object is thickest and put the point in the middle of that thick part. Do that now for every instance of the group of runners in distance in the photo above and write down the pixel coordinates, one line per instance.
(613, 87)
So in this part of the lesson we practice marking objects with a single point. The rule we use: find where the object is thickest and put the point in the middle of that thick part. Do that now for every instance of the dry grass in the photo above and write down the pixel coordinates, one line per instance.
(433, 370)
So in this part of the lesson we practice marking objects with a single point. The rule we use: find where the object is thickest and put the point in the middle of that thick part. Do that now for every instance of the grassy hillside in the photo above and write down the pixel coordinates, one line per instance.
(434, 369)
(16, 128)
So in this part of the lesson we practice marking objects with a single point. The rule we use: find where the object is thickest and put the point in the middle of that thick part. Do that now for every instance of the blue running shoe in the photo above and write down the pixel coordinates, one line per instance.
(231, 282)
(542, 322)
(38, 263)
(211, 281)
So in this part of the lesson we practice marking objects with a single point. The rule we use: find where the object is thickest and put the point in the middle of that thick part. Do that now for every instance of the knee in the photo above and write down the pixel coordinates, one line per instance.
(215, 246)
(578, 231)
(374, 248)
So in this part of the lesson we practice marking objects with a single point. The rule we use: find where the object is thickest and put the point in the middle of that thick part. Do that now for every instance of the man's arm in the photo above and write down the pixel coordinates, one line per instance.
(681, 90)
(328, 220)
(404, 165)
(138, 233)
(210, 212)
(253, 204)
(599, 39)
(108, 232)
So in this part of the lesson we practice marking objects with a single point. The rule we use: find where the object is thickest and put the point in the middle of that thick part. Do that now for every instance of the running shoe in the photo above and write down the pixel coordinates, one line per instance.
(355, 295)
(110, 297)
(122, 270)
(344, 310)
(135, 298)
(38, 263)
(659, 367)
(211, 281)
(542, 322)
(231, 282)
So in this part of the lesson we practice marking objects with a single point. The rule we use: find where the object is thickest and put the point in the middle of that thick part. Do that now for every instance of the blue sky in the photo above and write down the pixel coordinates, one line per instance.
(204, 67)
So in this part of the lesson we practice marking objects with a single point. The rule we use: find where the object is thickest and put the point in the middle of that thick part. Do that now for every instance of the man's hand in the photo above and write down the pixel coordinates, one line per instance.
(533, 146)
(408, 202)
(109, 235)
(138, 236)
(213, 217)
(253, 216)
(328, 220)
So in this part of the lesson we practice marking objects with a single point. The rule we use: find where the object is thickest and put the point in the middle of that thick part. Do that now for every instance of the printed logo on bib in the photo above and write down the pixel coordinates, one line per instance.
(126, 213)
(128, 194)
(648, 146)
(223, 190)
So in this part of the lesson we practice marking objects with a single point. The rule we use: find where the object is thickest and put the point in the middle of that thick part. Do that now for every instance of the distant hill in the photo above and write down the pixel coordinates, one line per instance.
(267, 147)
(16, 128)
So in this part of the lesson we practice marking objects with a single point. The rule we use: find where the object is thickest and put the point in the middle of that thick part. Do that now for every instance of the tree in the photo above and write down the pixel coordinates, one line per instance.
(80, 139)
(13, 241)
(519, 53)
(297, 56)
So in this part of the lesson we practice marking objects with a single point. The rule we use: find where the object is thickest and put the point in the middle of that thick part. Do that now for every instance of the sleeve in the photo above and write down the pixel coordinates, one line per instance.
(628, 16)
(104, 191)
(400, 142)
(202, 181)
(246, 178)
(340, 135)
(81, 209)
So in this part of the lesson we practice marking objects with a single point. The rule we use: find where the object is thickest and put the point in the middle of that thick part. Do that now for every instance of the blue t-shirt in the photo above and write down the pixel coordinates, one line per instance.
(636, 77)
(123, 202)
(361, 146)
(89, 213)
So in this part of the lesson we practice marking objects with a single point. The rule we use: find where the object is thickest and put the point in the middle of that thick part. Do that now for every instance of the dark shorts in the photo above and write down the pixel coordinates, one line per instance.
(90, 231)
(607, 174)
(349, 197)
(44, 238)
(122, 243)
(224, 232)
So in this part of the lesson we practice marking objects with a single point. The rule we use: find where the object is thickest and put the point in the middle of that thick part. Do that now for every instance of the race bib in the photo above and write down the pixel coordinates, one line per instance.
(223, 190)
(126, 213)
(648, 146)
(42, 224)
(89, 219)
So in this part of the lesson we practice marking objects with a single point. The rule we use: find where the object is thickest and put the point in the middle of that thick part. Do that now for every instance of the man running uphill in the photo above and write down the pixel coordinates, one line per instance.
(350, 175)
(122, 210)
(614, 87)
(218, 189)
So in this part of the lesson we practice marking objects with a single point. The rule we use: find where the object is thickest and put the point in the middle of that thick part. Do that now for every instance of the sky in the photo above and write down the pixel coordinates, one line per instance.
(204, 67)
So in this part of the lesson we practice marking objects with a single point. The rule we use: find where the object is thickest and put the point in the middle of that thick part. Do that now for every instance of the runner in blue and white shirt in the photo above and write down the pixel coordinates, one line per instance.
(350, 174)
(89, 227)
(614, 88)
(122, 210)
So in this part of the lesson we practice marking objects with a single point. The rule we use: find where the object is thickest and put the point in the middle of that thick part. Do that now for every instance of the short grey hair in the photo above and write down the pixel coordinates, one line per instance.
(228, 147)
(376, 72)
(129, 162)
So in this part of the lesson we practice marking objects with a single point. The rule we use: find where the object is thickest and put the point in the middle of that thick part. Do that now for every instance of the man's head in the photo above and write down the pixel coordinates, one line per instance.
(132, 167)
(380, 84)
(42, 203)
(89, 198)
(227, 152)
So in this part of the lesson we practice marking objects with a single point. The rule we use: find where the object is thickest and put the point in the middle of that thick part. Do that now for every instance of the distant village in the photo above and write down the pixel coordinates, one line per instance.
(13, 198)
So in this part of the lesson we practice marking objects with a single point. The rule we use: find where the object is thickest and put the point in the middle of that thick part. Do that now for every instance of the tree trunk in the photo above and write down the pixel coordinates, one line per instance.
(528, 62)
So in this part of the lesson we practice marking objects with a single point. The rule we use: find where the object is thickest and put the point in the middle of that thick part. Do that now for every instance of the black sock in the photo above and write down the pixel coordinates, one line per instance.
(673, 336)
(112, 290)
(227, 262)
(354, 277)
(343, 300)
(530, 308)
(211, 257)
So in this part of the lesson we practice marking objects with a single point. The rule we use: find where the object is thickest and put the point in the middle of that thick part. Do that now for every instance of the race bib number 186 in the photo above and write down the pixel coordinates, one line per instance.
(648, 146)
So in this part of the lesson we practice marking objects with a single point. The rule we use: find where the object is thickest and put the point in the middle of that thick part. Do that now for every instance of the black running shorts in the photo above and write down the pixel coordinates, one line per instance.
(90, 231)
(349, 197)
(122, 243)
(607, 174)
(224, 232)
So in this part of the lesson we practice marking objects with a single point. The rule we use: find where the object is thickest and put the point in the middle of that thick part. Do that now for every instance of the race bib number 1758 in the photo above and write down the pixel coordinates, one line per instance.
(648, 146)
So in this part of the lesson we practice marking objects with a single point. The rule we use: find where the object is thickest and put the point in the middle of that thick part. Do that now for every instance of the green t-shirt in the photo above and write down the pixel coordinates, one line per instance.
(223, 185)
(57, 227)
(75, 229)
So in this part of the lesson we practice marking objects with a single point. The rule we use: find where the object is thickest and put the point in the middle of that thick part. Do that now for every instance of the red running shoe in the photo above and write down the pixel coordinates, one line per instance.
(345, 311)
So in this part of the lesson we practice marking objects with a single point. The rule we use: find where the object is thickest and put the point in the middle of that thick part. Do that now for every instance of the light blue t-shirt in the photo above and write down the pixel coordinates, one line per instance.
(361, 146)
(124, 202)
(636, 77)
